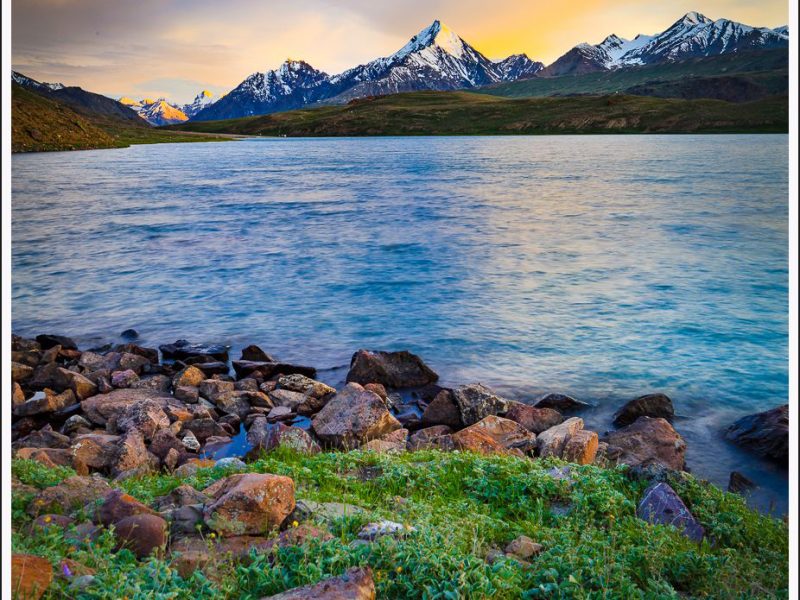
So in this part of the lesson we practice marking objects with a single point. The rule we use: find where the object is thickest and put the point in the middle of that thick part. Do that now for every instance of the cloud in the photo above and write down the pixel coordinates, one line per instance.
(155, 47)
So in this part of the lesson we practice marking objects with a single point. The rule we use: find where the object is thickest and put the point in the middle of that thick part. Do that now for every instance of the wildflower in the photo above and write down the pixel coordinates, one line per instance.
(212, 535)
(399, 569)
(73, 549)
(65, 570)
(48, 518)
(295, 523)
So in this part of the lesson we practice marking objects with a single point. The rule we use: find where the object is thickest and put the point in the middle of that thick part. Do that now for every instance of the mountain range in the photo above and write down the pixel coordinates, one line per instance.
(161, 112)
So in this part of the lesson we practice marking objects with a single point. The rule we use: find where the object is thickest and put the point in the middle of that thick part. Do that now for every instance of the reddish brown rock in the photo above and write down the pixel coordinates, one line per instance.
(650, 405)
(507, 433)
(118, 505)
(99, 409)
(581, 448)
(82, 386)
(50, 457)
(30, 576)
(72, 493)
(532, 418)
(396, 441)
(191, 375)
(147, 416)
(17, 395)
(442, 410)
(391, 369)
(426, 439)
(249, 503)
(93, 452)
(476, 440)
(51, 402)
(648, 441)
(142, 534)
(20, 372)
(267, 436)
(355, 584)
(551, 442)
(131, 453)
(353, 417)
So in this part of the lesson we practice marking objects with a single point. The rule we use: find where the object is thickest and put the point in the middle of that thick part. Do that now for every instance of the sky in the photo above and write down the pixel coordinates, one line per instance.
(175, 48)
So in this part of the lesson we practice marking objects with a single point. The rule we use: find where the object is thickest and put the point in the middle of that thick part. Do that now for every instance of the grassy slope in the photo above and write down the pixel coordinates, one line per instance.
(462, 506)
(768, 70)
(463, 113)
(40, 124)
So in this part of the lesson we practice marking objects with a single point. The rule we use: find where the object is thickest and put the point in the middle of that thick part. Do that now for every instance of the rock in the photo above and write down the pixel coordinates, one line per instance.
(151, 354)
(523, 547)
(476, 440)
(185, 519)
(353, 417)
(264, 436)
(316, 392)
(230, 462)
(182, 349)
(434, 437)
(648, 441)
(324, 511)
(47, 403)
(372, 531)
(650, 405)
(233, 403)
(191, 466)
(581, 447)
(377, 388)
(83, 387)
(131, 453)
(248, 384)
(249, 503)
(147, 416)
(43, 438)
(661, 505)
(476, 401)
(129, 335)
(93, 452)
(254, 353)
(171, 459)
(287, 398)
(190, 442)
(532, 418)
(396, 441)
(50, 457)
(354, 584)
(72, 493)
(45, 522)
(183, 495)
(205, 428)
(141, 533)
(211, 389)
(31, 576)
(392, 369)
(124, 379)
(75, 424)
(17, 395)
(20, 372)
(279, 413)
(47, 341)
(99, 409)
(507, 433)
(164, 441)
(187, 394)
(739, 483)
(157, 383)
(210, 369)
(765, 433)
(118, 505)
(267, 370)
(189, 376)
(561, 403)
(442, 410)
(551, 442)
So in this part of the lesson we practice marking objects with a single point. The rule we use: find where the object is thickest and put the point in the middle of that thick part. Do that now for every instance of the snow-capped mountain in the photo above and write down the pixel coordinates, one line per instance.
(201, 101)
(156, 112)
(434, 59)
(27, 82)
(292, 85)
(691, 36)
(518, 66)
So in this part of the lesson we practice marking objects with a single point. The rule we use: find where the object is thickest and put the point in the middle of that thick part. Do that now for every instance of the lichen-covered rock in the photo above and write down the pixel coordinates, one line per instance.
(249, 503)
(99, 409)
(189, 376)
(147, 416)
(354, 584)
(648, 441)
(211, 389)
(523, 547)
(533, 418)
(476, 401)
(93, 452)
(20, 372)
(551, 442)
(650, 405)
(396, 441)
(765, 433)
(661, 505)
(352, 417)
(581, 447)
(475, 440)
(392, 369)
(131, 453)
(72, 493)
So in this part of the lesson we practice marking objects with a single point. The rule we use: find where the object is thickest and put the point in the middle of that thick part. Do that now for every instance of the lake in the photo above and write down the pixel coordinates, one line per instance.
(604, 267)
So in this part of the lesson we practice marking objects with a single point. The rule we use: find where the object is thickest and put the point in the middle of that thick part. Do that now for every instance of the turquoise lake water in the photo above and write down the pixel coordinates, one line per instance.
(601, 266)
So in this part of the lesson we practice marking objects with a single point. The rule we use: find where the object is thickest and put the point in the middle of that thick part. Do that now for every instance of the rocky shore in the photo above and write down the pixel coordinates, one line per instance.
(117, 416)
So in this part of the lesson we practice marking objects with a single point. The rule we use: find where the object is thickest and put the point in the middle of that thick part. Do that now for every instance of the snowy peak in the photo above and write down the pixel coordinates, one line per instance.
(436, 35)
(691, 19)
(26, 81)
(200, 101)
(518, 66)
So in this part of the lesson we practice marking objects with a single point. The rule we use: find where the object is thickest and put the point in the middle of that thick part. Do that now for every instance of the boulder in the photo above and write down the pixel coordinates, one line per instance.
(476, 440)
(650, 405)
(99, 409)
(581, 447)
(31, 576)
(147, 416)
(561, 403)
(765, 433)
(124, 379)
(353, 417)
(205, 428)
(43, 438)
(118, 505)
(551, 442)
(47, 402)
(164, 441)
(532, 418)
(523, 547)
(507, 433)
(82, 386)
(187, 394)
(434, 437)
(151, 354)
(648, 441)
(211, 389)
(267, 436)
(234, 403)
(476, 401)
(156, 383)
(354, 584)
(391, 369)
(254, 353)
(72, 493)
(249, 503)
(47, 341)
(395, 441)
(662, 506)
(183, 349)
(267, 370)
(17, 395)
(142, 534)
(50, 457)
(442, 410)
(131, 453)
(93, 452)
(189, 376)
(20, 372)
(739, 483)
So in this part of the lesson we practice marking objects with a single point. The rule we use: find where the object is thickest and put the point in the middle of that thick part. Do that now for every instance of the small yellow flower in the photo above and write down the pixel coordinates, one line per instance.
(40, 502)
(212, 535)
(399, 569)
(73, 549)
(295, 524)
(48, 518)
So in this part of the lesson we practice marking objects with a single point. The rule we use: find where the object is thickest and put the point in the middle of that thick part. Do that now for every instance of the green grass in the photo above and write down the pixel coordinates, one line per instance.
(462, 505)
(767, 69)
(463, 113)
(39, 124)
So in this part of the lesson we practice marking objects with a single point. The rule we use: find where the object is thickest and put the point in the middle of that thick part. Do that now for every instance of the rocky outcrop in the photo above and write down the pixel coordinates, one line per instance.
(765, 433)
(650, 405)
(648, 441)
(353, 417)
(354, 584)
(392, 369)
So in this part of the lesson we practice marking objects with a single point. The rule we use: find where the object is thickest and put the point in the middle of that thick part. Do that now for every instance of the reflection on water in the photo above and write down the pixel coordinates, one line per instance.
(604, 267)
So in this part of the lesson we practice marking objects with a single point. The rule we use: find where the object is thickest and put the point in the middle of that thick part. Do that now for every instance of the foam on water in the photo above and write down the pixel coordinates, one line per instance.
(600, 266)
